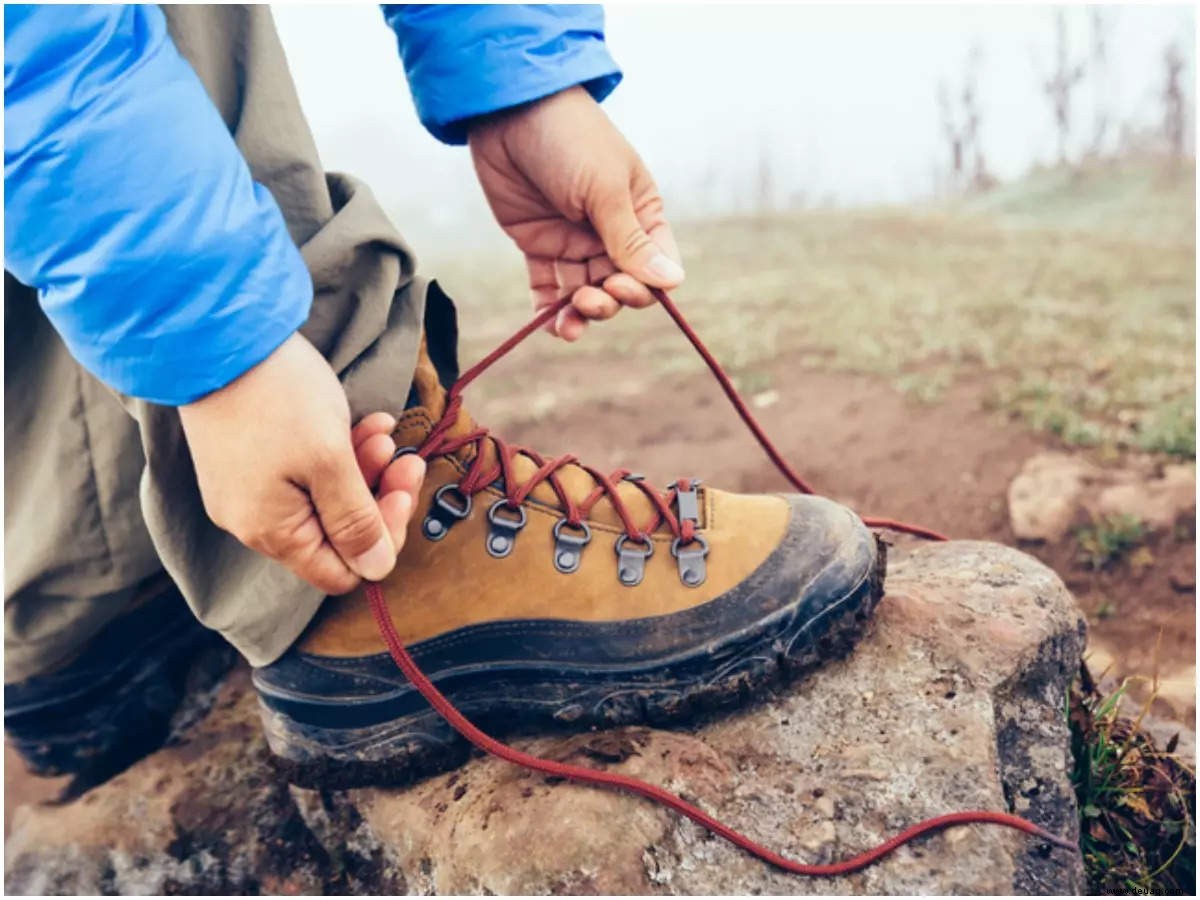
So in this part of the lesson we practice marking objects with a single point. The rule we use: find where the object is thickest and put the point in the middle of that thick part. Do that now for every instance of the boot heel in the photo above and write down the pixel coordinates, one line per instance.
(396, 753)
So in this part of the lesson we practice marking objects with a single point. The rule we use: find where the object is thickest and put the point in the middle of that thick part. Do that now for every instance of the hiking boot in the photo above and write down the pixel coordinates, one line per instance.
(540, 592)
(114, 702)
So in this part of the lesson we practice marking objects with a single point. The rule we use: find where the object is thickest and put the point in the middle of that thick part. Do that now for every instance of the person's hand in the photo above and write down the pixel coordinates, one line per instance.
(574, 196)
(281, 470)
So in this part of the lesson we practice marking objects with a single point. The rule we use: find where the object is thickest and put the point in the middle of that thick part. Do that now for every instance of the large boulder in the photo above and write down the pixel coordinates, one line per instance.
(953, 700)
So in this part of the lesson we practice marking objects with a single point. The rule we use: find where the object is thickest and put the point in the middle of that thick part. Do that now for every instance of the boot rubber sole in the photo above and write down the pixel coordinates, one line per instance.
(778, 649)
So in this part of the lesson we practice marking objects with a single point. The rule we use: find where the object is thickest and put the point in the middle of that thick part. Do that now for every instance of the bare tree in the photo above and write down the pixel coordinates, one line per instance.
(1174, 103)
(764, 179)
(1061, 84)
(961, 120)
(952, 132)
(1102, 115)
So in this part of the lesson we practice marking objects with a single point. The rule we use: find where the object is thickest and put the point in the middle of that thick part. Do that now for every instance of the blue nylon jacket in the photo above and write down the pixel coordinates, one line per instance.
(166, 269)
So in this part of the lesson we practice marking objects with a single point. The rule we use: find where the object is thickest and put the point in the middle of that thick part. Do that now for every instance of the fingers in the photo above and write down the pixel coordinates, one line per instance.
(373, 445)
(397, 510)
(312, 557)
(375, 423)
(622, 228)
(661, 234)
(570, 325)
(595, 304)
(640, 253)
(398, 491)
(406, 474)
(297, 540)
(279, 468)
(309, 551)
(628, 291)
(350, 516)
(373, 456)
(597, 291)
(543, 286)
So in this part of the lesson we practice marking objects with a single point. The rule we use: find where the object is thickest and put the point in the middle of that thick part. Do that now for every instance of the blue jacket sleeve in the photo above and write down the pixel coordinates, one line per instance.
(165, 268)
(464, 61)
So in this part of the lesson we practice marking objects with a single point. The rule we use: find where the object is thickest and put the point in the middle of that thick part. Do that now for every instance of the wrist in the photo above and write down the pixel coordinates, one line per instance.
(260, 371)
(479, 124)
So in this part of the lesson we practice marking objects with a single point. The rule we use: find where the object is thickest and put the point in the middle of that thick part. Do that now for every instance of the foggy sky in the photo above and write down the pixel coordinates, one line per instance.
(841, 100)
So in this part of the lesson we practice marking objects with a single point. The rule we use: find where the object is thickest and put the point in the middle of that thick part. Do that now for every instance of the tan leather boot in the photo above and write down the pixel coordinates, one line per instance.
(538, 592)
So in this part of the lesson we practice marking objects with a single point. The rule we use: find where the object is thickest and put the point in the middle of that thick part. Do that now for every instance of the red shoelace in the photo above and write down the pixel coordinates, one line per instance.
(479, 476)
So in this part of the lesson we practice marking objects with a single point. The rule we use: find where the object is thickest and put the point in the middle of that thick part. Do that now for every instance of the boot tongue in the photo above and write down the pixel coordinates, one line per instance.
(427, 387)
(418, 421)
(431, 402)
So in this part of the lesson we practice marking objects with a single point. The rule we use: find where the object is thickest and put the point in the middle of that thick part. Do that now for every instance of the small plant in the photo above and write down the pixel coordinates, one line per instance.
(925, 387)
(1056, 408)
(1171, 430)
(1108, 539)
(1136, 802)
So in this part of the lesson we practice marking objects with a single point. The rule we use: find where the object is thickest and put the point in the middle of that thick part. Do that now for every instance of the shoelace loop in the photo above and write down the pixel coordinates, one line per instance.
(599, 778)
(479, 476)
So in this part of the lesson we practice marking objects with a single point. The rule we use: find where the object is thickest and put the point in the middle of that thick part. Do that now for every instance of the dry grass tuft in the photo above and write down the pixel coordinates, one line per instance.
(1137, 802)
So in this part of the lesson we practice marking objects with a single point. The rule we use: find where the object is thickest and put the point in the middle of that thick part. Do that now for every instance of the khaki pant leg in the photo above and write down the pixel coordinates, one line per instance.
(366, 319)
(75, 545)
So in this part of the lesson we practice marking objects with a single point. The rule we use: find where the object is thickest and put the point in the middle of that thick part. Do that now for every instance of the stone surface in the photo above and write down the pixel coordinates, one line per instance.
(1055, 491)
(1044, 498)
(953, 700)
(1156, 501)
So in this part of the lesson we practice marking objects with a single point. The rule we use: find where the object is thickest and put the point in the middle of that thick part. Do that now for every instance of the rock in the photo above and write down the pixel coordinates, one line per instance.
(1165, 731)
(1044, 498)
(953, 700)
(1182, 577)
(1054, 490)
(1157, 502)
(206, 815)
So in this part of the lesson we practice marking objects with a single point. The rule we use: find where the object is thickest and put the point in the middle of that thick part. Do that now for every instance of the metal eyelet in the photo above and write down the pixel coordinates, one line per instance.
(443, 514)
(631, 564)
(502, 535)
(568, 548)
(688, 502)
(402, 451)
(692, 570)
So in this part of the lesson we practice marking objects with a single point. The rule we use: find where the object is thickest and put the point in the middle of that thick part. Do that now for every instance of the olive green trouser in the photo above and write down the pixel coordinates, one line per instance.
(100, 493)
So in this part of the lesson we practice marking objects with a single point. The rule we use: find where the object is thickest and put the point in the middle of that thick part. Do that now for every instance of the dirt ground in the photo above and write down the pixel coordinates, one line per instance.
(856, 438)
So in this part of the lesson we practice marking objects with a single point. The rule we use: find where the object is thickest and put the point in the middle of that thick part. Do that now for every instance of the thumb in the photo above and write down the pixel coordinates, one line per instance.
(351, 519)
(626, 242)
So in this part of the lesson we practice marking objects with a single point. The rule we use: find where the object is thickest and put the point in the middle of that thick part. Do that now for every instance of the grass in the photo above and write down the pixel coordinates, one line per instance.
(1171, 429)
(1121, 197)
(1108, 539)
(1072, 294)
(1136, 802)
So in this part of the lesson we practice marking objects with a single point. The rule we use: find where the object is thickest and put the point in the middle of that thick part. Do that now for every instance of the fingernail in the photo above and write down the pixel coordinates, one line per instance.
(663, 267)
(376, 563)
